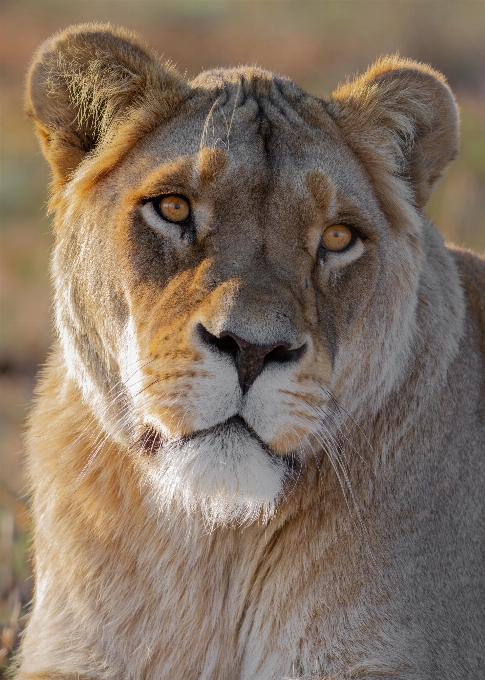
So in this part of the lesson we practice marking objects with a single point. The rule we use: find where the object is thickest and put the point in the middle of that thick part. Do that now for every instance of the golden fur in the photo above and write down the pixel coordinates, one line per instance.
(251, 457)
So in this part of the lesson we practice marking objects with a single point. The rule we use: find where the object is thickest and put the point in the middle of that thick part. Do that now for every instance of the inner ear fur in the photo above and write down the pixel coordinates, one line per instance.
(400, 117)
(90, 78)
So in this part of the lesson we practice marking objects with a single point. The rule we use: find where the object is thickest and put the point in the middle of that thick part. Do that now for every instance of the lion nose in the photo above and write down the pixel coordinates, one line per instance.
(249, 358)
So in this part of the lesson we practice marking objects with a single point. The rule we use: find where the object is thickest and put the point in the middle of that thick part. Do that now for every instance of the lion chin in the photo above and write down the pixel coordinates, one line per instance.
(225, 472)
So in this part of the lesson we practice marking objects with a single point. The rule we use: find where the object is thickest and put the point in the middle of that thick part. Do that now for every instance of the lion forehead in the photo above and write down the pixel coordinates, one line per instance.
(260, 131)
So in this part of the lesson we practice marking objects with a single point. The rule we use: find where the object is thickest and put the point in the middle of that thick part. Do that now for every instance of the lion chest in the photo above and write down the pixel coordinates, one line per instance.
(236, 605)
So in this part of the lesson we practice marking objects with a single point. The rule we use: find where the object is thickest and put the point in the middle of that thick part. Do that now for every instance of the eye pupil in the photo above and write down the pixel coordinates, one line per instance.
(337, 237)
(174, 208)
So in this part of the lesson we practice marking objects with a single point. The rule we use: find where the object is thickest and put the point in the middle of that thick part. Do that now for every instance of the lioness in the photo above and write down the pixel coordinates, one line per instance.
(258, 447)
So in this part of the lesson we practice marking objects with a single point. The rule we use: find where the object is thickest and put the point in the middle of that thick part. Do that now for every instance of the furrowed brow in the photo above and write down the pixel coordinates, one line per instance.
(188, 174)
(179, 175)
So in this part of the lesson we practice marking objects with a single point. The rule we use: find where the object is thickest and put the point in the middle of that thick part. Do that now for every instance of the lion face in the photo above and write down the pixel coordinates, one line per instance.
(236, 317)
(223, 280)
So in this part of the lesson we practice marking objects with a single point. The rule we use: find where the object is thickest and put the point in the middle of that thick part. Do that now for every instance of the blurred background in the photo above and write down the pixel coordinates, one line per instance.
(317, 43)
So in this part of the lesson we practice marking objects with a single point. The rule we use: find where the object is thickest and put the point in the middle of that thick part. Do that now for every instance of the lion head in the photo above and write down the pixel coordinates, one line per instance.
(237, 261)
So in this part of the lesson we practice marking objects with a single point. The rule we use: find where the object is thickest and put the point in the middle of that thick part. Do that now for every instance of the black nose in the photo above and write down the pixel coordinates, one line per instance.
(250, 359)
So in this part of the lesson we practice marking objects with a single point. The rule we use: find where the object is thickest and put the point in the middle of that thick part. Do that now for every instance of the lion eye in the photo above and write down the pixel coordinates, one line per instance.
(174, 208)
(337, 237)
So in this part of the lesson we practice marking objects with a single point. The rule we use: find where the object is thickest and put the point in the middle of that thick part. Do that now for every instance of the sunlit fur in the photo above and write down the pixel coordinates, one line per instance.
(319, 517)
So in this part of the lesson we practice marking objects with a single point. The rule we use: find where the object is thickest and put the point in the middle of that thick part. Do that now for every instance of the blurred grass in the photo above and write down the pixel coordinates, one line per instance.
(317, 43)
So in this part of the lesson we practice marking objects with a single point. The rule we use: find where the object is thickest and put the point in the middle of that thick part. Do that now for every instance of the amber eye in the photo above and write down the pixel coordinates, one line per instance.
(337, 237)
(174, 208)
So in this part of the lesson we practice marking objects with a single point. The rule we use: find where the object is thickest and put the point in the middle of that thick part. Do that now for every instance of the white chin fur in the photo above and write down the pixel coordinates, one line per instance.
(224, 473)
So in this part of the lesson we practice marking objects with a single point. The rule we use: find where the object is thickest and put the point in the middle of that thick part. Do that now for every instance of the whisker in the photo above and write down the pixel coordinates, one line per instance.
(327, 450)
(339, 424)
(342, 475)
(341, 408)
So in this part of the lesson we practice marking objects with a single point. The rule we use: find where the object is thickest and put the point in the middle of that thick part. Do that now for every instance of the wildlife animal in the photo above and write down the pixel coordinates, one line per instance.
(257, 448)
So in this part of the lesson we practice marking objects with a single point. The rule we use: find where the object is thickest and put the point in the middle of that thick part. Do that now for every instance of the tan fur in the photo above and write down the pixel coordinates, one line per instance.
(320, 516)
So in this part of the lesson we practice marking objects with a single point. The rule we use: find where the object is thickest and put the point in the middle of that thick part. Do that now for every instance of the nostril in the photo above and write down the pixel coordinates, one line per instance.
(282, 354)
(225, 344)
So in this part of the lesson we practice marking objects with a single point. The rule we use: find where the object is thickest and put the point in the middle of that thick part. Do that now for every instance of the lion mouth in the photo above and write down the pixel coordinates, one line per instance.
(153, 442)
(236, 422)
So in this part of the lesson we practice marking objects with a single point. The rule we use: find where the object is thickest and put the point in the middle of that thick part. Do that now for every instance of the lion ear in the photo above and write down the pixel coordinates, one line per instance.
(400, 117)
(86, 80)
